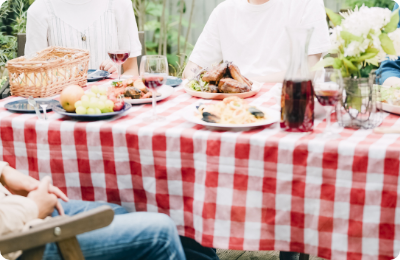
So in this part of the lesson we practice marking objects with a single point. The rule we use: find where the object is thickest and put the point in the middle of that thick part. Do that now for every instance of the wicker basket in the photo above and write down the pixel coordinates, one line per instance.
(49, 72)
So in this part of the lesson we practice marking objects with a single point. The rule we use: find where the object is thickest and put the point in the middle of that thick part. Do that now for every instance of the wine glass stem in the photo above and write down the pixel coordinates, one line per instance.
(328, 119)
(153, 94)
(119, 70)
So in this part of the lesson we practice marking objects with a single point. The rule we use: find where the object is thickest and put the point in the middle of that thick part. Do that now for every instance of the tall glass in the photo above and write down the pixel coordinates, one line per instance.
(297, 100)
(154, 73)
(328, 88)
(118, 57)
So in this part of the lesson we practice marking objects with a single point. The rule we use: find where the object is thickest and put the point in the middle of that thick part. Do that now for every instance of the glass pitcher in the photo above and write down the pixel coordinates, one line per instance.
(297, 100)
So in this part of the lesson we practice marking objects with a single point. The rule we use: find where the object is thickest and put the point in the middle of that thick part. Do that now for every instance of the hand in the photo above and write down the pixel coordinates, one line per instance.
(45, 201)
(21, 184)
(109, 66)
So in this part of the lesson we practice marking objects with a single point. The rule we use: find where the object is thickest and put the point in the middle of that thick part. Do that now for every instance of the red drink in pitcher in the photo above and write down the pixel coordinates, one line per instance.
(297, 106)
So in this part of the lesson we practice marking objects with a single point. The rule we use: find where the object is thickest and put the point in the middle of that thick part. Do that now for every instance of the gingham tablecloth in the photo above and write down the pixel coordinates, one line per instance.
(257, 190)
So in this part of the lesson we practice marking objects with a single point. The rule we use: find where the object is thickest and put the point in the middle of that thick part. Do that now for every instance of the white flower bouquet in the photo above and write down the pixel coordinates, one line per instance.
(361, 39)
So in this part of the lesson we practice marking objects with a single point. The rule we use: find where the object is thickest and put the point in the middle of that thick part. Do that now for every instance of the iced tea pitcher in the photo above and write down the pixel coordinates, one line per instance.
(297, 100)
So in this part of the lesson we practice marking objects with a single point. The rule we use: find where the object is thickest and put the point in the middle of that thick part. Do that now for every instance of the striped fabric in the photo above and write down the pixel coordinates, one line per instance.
(97, 38)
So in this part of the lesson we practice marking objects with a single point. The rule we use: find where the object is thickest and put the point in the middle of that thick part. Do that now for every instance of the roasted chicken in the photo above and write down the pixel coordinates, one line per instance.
(216, 73)
(235, 73)
(232, 86)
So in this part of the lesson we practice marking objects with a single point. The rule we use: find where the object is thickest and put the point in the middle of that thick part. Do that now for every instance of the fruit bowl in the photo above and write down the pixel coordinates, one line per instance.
(61, 111)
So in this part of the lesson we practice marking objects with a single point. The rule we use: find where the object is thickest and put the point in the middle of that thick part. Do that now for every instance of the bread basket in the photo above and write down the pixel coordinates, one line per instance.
(48, 73)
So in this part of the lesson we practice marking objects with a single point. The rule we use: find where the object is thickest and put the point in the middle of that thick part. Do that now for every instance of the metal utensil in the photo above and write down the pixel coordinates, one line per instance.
(44, 107)
(32, 102)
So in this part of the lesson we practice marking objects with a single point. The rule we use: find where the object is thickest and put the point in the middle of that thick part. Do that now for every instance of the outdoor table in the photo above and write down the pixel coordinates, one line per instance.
(262, 189)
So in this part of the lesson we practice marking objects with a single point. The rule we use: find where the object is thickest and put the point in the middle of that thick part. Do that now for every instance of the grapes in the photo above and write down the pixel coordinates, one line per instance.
(80, 110)
(78, 104)
(91, 111)
(95, 89)
(101, 105)
(94, 102)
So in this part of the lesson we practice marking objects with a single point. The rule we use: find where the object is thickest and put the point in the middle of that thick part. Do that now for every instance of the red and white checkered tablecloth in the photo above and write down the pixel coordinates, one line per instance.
(257, 190)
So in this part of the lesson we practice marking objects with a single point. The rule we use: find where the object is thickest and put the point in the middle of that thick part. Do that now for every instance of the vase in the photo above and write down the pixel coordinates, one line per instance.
(360, 106)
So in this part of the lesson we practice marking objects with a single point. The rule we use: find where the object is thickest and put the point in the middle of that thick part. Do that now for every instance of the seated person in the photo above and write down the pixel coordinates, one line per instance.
(140, 235)
(389, 71)
(251, 33)
(94, 25)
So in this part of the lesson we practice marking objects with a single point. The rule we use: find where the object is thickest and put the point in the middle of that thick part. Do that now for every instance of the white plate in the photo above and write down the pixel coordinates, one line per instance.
(391, 108)
(165, 92)
(273, 116)
(219, 96)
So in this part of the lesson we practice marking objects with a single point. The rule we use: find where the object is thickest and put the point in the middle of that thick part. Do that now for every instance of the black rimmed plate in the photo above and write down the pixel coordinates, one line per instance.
(59, 110)
(99, 75)
(22, 106)
(173, 81)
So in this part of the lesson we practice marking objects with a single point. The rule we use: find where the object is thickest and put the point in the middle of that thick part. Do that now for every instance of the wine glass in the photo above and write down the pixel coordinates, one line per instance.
(118, 57)
(328, 88)
(154, 73)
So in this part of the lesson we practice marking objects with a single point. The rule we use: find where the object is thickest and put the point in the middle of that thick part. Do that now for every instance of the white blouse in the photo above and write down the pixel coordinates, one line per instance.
(94, 25)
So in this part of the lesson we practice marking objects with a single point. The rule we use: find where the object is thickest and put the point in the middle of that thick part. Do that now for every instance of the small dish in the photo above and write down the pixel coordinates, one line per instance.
(100, 75)
(173, 81)
(22, 106)
(59, 110)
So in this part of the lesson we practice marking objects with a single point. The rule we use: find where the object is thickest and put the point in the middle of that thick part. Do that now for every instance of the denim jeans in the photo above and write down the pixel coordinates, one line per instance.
(140, 235)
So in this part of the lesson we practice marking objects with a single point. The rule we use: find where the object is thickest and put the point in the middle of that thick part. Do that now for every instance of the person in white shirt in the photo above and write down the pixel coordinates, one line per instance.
(251, 33)
(94, 25)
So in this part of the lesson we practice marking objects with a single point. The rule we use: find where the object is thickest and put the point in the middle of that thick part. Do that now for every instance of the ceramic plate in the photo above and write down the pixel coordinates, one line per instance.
(273, 116)
(59, 110)
(391, 108)
(173, 81)
(100, 75)
(22, 106)
(219, 96)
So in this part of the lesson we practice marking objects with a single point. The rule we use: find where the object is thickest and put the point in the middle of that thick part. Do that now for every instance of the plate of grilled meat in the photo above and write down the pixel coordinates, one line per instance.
(221, 81)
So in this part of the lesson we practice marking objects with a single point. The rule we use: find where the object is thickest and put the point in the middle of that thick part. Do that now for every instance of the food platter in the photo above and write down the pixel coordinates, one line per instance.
(165, 92)
(273, 116)
(219, 96)
(391, 108)
(60, 110)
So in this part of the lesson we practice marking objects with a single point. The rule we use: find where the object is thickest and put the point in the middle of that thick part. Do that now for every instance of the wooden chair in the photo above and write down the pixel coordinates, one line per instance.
(60, 230)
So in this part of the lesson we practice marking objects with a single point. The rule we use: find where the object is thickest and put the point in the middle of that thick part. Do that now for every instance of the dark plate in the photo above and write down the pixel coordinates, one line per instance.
(173, 81)
(59, 110)
(100, 75)
(22, 106)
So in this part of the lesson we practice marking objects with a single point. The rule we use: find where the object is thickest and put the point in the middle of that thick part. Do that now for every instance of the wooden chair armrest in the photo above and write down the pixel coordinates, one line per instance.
(46, 232)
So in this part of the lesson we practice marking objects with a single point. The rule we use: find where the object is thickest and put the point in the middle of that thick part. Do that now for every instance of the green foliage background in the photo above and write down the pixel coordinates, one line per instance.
(371, 3)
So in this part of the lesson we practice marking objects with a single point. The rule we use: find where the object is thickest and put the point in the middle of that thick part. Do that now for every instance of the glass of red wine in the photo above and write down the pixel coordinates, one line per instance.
(119, 57)
(154, 73)
(328, 88)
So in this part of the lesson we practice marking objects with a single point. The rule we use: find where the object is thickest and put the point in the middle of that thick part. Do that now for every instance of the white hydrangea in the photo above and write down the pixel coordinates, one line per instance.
(355, 48)
(395, 37)
(336, 39)
(360, 21)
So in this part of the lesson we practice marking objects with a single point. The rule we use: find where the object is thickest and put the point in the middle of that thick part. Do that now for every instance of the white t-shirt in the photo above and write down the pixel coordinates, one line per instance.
(83, 17)
(254, 36)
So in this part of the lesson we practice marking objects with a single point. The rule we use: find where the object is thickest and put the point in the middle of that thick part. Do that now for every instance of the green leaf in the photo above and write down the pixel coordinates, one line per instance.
(394, 21)
(152, 25)
(329, 61)
(338, 64)
(363, 57)
(387, 44)
(349, 65)
(335, 18)
(349, 37)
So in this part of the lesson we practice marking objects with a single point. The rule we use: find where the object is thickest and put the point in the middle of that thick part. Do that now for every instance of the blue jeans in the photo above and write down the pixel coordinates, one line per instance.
(140, 235)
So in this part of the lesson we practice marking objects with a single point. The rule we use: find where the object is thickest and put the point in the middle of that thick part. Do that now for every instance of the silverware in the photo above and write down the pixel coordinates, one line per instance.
(44, 107)
(32, 102)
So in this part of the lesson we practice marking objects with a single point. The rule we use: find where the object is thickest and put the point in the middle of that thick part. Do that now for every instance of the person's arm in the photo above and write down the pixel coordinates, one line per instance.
(131, 67)
(36, 29)
(207, 50)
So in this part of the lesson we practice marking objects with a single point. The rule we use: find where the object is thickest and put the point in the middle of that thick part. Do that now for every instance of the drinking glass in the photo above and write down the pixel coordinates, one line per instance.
(328, 88)
(154, 73)
(118, 57)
